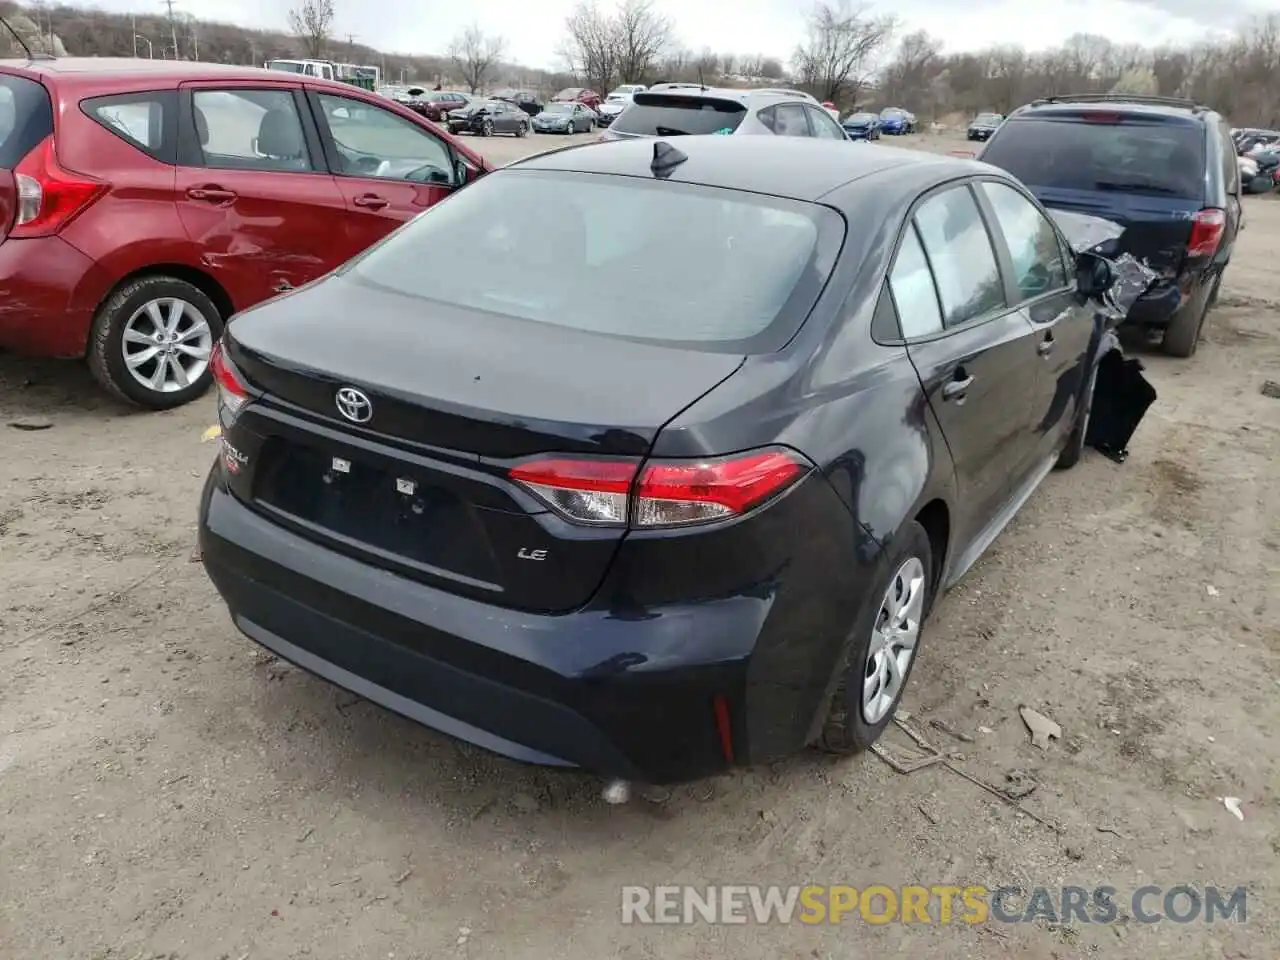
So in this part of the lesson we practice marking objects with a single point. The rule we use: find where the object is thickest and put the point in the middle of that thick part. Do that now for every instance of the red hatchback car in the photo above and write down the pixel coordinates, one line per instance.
(143, 202)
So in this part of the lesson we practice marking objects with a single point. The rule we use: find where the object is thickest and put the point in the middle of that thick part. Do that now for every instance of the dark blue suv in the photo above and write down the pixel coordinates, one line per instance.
(1164, 168)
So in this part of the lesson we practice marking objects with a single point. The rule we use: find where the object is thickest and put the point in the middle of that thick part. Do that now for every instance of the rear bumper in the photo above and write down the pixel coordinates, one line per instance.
(1162, 304)
(48, 294)
(626, 696)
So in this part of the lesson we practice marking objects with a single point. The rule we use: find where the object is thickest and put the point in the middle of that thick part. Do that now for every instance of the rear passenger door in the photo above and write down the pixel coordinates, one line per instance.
(975, 354)
(388, 168)
(252, 189)
(1041, 281)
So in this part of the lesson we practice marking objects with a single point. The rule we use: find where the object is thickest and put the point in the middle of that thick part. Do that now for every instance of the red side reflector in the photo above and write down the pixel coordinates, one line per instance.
(1206, 232)
(723, 727)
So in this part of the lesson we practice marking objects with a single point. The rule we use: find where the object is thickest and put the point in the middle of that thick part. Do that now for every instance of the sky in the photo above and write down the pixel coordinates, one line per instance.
(532, 28)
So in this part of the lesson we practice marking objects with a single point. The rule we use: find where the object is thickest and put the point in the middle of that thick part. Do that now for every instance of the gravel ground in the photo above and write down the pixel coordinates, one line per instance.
(168, 791)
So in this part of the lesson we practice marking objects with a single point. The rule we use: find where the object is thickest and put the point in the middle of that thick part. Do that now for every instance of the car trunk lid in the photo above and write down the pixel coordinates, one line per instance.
(421, 485)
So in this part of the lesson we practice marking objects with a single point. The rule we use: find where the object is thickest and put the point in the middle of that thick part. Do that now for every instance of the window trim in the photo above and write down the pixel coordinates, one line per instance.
(169, 110)
(964, 181)
(191, 154)
(333, 160)
(1013, 293)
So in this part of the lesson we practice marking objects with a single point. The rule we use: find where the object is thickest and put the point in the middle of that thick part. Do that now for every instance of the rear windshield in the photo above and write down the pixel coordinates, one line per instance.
(641, 259)
(673, 116)
(26, 118)
(1163, 159)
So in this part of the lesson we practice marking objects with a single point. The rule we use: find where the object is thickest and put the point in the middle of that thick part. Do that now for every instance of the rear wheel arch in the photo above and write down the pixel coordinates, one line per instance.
(202, 281)
(935, 517)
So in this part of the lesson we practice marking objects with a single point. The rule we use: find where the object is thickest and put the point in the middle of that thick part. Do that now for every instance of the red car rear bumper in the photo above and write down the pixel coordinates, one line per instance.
(49, 291)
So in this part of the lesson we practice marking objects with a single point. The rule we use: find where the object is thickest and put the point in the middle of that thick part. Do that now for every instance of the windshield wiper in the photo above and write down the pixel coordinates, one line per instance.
(1133, 187)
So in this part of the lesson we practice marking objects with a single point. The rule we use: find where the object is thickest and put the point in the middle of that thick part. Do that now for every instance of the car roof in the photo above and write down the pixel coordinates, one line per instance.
(765, 165)
(1163, 108)
(125, 72)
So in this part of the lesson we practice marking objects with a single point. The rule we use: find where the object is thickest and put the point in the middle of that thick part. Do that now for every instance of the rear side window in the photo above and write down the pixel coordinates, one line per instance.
(700, 267)
(147, 121)
(26, 118)
(1131, 156)
(913, 291)
(673, 116)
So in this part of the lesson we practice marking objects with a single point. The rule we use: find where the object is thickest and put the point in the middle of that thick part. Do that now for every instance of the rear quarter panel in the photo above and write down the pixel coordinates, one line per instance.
(857, 410)
(135, 225)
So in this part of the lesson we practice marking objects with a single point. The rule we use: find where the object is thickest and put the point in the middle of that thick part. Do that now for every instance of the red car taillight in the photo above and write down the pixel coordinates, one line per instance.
(1206, 232)
(49, 196)
(232, 392)
(665, 493)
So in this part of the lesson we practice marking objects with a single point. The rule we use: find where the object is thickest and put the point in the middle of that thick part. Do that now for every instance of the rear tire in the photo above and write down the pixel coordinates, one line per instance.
(1182, 338)
(106, 354)
(850, 727)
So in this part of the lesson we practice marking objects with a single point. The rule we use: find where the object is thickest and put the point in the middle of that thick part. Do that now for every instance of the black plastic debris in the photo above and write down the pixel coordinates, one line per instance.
(1121, 398)
(1121, 395)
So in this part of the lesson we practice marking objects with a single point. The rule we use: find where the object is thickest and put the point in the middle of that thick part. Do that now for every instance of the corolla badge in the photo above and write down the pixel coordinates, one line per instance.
(354, 405)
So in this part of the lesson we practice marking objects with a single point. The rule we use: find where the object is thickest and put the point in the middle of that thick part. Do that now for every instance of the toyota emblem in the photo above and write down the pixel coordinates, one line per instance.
(354, 405)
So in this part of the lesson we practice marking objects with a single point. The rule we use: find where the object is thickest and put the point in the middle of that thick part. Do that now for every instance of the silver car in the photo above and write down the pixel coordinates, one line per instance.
(675, 112)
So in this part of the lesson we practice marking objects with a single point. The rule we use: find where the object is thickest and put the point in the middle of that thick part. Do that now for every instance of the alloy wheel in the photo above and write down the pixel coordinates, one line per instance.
(893, 641)
(166, 345)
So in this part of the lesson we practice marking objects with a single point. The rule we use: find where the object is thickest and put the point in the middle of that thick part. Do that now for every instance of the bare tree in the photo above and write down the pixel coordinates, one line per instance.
(475, 55)
(840, 48)
(590, 49)
(771, 68)
(312, 23)
(641, 35)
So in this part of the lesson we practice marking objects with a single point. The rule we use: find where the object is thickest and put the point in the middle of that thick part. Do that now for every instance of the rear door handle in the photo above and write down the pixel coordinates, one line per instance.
(212, 193)
(371, 201)
(956, 389)
(1045, 347)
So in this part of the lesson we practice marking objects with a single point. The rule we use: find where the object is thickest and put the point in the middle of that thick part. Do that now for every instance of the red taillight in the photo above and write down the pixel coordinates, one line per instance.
(666, 493)
(49, 196)
(1206, 232)
(232, 393)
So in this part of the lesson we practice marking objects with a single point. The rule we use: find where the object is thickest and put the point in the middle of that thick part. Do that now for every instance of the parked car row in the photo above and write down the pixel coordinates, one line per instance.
(1258, 158)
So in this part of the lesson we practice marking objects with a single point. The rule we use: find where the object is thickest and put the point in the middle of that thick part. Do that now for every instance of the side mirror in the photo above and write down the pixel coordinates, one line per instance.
(1094, 275)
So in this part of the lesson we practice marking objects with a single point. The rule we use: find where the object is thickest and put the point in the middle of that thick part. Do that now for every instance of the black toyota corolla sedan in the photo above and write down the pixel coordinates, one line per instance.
(675, 487)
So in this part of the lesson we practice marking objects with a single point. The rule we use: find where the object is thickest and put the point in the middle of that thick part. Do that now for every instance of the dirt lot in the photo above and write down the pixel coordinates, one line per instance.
(168, 791)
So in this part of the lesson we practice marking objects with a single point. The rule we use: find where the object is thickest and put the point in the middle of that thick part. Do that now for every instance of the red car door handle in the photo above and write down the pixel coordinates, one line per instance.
(371, 201)
(211, 193)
